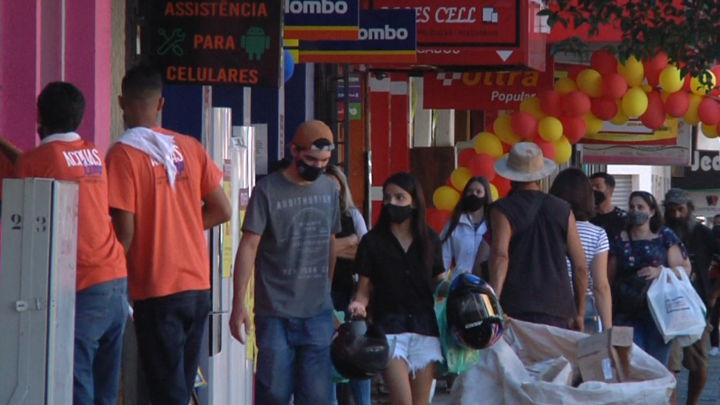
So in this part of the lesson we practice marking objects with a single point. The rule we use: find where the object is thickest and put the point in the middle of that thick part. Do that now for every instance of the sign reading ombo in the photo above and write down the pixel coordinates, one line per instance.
(229, 42)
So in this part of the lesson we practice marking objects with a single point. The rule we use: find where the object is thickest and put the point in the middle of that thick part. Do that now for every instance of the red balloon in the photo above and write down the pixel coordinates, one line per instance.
(576, 104)
(604, 62)
(523, 124)
(654, 116)
(677, 104)
(437, 218)
(449, 183)
(550, 103)
(483, 165)
(654, 67)
(686, 83)
(604, 108)
(575, 71)
(716, 91)
(709, 111)
(465, 156)
(574, 128)
(547, 148)
(502, 185)
(614, 86)
(506, 147)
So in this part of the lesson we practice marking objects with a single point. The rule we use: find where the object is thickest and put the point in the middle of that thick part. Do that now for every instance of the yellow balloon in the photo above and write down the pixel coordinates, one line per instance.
(589, 82)
(565, 86)
(710, 131)
(445, 198)
(621, 117)
(699, 88)
(485, 142)
(671, 79)
(647, 88)
(531, 105)
(593, 124)
(691, 116)
(635, 102)
(633, 71)
(563, 150)
(664, 94)
(550, 129)
(503, 130)
(460, 177)
(494, 192)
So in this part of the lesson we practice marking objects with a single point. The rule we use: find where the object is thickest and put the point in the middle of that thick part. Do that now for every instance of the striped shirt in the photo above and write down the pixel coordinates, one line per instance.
(594, 241)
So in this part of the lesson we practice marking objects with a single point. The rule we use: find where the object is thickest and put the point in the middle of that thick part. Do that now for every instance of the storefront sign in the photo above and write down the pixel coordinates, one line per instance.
(229, 42)
(322, 19)
(385, 36)
(490, 91)
(628, 153)
(635, 133)
(703, 173)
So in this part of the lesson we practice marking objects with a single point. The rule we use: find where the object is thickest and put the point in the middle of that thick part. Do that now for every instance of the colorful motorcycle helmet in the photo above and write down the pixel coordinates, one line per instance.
(359, 350)
(475, 318)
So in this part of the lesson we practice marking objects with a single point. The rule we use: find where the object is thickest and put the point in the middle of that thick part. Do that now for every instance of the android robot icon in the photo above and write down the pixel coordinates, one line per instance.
(255, 42)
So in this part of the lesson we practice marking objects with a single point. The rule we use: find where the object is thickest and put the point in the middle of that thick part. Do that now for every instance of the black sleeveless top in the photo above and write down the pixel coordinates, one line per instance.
(343, 277)
(537, 279)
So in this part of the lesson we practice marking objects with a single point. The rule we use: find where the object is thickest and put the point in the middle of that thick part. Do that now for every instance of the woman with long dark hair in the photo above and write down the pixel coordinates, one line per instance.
(573, 186)
(636, 258)
(463, 234)
(400, 262)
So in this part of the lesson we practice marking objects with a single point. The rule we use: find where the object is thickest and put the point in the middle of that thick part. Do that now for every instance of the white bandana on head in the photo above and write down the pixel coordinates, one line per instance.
(159, 147)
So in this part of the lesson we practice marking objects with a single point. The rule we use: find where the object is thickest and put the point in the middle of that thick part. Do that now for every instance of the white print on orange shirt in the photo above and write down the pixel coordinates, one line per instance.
(177, 158)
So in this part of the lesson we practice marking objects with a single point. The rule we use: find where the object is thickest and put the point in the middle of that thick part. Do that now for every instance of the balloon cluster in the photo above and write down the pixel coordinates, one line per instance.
(651, 90)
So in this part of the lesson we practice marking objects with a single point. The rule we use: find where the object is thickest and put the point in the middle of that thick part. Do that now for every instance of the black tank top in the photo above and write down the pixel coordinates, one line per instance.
(537, 279)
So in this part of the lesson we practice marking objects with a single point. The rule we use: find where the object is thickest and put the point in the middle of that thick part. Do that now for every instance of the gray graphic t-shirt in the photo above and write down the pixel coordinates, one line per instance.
(295, 223)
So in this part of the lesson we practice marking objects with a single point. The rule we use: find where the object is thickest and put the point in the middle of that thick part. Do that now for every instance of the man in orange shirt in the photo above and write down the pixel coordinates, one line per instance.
(101, 305)
(164, 193)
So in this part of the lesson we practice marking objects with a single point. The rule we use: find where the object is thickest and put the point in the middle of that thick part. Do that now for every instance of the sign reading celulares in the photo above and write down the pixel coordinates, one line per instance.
(206, 42)
(321, 19)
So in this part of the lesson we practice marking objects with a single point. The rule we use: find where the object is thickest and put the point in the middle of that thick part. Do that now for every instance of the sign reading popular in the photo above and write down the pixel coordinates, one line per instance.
(224, 43)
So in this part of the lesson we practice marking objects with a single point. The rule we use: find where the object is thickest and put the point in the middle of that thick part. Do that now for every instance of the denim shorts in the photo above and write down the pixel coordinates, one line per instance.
(417, 350)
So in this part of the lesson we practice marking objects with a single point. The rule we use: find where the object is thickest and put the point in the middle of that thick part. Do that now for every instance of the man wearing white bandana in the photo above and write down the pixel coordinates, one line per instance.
(164, 192)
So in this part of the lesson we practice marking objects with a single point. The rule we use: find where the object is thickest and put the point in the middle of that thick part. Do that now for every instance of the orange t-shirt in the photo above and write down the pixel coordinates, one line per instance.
(100, 256)
(168, 253)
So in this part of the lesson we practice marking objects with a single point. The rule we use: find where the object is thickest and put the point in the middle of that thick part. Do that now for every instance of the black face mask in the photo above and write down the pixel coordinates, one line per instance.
(307, 172)
(398, 214)
(599, 197)
(472, 203)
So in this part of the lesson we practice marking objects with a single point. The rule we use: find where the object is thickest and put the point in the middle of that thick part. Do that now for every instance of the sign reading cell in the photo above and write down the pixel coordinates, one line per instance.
(229, 42)
(321, 19)
(483, 90)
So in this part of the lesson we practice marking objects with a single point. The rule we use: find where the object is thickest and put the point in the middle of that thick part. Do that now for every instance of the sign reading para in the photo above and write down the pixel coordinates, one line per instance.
(322, 19)
(385, 36)
(490, 91)
(229, 42)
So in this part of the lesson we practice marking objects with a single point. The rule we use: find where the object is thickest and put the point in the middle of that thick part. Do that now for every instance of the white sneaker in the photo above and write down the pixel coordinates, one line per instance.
(715, 351)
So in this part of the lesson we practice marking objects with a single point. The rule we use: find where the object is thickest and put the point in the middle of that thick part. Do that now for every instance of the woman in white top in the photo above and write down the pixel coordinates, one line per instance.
(463, 235)
(573, 186)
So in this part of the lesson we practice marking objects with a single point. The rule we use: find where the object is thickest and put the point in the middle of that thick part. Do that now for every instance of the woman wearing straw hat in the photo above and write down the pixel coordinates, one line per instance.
(532, 234)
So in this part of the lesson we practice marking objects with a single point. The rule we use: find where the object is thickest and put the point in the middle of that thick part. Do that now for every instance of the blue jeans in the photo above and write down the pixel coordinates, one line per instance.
(360, 388)
(294, 360)
(100, 315)
(647, 336)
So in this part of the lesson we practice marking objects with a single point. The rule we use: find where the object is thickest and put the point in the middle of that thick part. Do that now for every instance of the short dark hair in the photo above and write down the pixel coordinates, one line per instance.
(716, 216)
(656, 222)
(573, 186)
(609, 179)
(61, 107)
(141, 80)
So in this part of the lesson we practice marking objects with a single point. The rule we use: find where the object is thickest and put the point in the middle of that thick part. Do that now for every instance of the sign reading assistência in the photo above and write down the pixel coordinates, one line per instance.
(206, 42)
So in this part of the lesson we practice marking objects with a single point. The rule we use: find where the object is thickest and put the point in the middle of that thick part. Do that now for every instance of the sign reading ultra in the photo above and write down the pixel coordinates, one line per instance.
(229, 42)
(321, 19)
(385, 36)
(490, 91)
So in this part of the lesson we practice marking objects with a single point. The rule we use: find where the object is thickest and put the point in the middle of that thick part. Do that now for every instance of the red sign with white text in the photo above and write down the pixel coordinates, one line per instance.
(476, 32)
(490, 91)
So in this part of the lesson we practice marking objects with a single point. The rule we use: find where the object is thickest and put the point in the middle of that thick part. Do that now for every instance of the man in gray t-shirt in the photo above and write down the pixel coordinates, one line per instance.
(288, 238)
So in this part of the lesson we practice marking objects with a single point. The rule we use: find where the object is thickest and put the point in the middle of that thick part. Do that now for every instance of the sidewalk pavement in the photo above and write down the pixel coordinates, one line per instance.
(709, 395)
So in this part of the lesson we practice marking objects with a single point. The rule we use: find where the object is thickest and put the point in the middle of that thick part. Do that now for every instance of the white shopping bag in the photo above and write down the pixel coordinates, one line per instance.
(676, 307)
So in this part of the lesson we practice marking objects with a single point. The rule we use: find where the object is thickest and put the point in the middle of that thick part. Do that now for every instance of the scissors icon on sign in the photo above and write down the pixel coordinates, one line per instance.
(172, 42)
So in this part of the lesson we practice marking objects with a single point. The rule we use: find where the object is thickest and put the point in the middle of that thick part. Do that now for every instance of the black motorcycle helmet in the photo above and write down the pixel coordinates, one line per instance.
(474, 315)
(359, 350)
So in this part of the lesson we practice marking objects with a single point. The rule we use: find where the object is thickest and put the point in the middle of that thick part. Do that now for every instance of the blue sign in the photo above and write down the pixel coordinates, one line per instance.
(385, 36)
(321, 19)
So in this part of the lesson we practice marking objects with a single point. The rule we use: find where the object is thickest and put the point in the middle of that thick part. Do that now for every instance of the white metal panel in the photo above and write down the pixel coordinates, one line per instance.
(623, 188)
